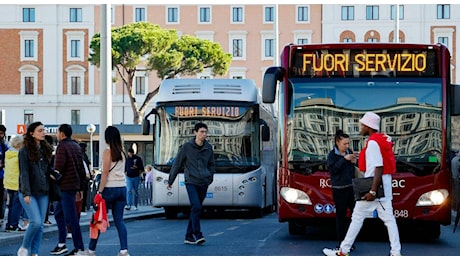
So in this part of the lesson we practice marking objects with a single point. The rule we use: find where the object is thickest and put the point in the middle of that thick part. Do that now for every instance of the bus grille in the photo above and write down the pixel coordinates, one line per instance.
(186, 89)
(227, 89)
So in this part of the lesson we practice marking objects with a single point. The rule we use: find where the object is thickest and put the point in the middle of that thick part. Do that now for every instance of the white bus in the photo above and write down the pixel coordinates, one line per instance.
(242, 131)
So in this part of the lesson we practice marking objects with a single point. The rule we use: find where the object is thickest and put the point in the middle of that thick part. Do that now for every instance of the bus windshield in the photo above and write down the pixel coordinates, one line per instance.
(232, 131)
(410, 113)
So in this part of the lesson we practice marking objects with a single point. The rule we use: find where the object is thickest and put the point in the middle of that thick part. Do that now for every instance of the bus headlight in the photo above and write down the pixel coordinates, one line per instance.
(295, 196)
(432, 198)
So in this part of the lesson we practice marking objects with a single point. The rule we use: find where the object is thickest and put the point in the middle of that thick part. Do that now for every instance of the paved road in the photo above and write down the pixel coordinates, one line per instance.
(142, 212)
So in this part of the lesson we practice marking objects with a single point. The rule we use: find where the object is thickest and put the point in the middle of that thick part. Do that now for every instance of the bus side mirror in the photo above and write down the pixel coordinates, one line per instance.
(265, 131)
(455, 100)
(271, 77)
(145, 127)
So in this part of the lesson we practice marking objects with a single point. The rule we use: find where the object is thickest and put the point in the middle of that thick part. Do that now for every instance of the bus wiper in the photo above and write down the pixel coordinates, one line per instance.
(411, 167)
(162, 167)
(307, 167)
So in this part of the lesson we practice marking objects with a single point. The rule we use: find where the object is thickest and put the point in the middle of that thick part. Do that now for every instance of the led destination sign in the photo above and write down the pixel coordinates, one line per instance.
(365, 62)
(207, 111)
(360, 63)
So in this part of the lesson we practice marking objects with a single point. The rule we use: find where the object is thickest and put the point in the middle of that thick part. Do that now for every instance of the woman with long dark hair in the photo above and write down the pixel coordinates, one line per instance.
(34, 160)
(112, 187)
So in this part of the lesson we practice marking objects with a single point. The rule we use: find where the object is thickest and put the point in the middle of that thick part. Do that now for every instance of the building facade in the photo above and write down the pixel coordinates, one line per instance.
(47, 77)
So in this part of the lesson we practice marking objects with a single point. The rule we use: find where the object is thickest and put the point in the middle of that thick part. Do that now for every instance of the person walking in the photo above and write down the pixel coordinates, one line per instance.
(197, 158)
(34, 161)
(68, 162)
(134, 168)
(148, 182)
(112, 188)
(88, 169)
(341, 165)
(376, 160)
(3, 149)
(11, 183)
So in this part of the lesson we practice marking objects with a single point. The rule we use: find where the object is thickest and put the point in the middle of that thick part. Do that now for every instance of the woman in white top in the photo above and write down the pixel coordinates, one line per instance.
(113, 187)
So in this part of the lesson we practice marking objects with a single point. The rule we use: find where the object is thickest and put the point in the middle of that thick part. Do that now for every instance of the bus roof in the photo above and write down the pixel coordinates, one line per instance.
(172, 90)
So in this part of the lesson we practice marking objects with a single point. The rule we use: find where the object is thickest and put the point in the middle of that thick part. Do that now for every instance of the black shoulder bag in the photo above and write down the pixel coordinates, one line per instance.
(361, 186)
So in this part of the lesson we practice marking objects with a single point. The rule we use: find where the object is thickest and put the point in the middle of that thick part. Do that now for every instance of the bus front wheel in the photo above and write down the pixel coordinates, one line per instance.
(171, 212)
(297, 227)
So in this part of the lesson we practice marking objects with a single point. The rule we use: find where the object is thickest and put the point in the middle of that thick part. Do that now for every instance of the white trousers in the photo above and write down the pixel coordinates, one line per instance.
(364, 209)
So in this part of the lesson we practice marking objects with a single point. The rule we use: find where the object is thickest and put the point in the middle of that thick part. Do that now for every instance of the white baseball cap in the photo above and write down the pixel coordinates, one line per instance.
(371, 120)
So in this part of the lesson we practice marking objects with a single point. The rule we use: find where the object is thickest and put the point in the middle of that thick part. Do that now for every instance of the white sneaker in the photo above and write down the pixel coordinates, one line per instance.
(22, 251)
(69, 236)
(333, 252)
(123, 253)
(134, 208)
(86, 253)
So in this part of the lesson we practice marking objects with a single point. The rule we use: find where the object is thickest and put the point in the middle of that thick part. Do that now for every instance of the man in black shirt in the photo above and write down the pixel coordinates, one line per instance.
(134, 168)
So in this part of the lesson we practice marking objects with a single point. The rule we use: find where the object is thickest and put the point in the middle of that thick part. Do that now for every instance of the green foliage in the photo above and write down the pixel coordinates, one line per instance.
(131, 42)
(190, 55)
(167, 53)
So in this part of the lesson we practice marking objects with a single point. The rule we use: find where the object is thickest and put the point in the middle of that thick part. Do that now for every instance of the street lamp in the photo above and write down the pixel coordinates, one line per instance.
(91, 129)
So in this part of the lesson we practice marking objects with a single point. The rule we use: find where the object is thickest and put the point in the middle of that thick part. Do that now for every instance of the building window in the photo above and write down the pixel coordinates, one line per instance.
(28, 15)
(75, 48)
(75, 117)
(269, 48)
(303, 36)
(347, 40)
(237, 48)
(348, 13)
(302, 14)
(29, 85)
(443, 11)
(173, 15)
(139, 15)
(28, 117)
(269, 14)
(237, 14)
(29, 76)
(302, 41)
(29, 48)
(371, 40)
(237, 73)
(29, 40)
(76, 15)
(75, 85)
(372, 12)
(444, 40)
(401, 12)
(140, 85)
(205, 15)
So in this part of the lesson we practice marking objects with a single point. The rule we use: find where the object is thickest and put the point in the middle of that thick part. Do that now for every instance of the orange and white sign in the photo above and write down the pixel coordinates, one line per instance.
(21, 129)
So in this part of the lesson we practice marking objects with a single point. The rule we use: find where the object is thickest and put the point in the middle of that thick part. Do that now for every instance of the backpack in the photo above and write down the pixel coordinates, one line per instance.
(386, 148)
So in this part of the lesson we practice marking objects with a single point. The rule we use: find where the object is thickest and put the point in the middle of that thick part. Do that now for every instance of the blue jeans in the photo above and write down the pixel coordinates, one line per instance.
(36, 211)
(132, 186)
(66, 214)
(14, 209)
(115, 199)
(196, 195)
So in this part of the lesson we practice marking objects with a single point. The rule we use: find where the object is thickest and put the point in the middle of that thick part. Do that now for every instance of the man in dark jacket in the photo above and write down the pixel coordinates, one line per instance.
(68, 161)
(197, 157)
(3, 149)
(134, 167)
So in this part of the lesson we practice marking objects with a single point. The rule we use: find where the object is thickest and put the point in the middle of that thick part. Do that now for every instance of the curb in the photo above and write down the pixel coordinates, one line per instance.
(52, 231)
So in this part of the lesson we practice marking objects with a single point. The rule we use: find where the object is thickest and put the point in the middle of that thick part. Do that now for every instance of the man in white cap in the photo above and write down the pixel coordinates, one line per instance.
(376, 160)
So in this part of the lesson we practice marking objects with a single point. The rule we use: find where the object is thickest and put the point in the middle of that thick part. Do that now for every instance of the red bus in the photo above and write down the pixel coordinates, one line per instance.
(325, 87)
